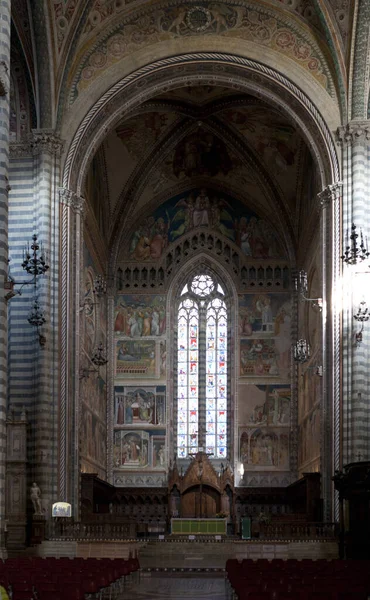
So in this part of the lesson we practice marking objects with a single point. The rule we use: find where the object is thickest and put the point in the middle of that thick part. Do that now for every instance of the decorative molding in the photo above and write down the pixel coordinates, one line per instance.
(45, 141)
(355, 131)
(20, 149)
(140, 480)
(330, 194)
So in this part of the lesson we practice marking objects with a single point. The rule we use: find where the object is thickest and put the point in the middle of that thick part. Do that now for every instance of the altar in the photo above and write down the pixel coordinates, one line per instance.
(199, 526)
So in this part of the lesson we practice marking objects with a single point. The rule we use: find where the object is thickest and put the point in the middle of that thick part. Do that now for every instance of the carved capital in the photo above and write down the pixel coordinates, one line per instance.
(45, 141)
(4, 78)
(329, 195)
(355, 131)
(71, 200)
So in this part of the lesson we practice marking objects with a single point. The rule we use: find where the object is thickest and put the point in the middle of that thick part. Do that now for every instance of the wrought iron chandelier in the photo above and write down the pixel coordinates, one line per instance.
(355, 252)
(362, 315)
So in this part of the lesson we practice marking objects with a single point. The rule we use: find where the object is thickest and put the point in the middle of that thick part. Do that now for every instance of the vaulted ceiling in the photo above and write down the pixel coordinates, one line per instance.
(69, 52)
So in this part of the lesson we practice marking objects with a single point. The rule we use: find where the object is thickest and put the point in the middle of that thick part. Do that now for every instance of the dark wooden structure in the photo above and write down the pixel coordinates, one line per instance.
(353, 485)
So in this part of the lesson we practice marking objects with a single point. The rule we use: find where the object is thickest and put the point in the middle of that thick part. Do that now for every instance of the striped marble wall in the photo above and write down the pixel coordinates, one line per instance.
(356, 409)
(4, 164)
(33, 362)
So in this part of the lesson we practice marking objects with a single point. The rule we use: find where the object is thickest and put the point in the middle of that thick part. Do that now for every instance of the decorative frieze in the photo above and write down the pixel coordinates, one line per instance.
(71, 200)
(330, 194)
(45, 141)
(355, 131)
(140, 480)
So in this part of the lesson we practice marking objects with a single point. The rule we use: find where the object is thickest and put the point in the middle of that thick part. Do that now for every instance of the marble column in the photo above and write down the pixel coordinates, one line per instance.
(329, 203)
(5, 21)
(355, 141)
(72, 211)
(46, 151)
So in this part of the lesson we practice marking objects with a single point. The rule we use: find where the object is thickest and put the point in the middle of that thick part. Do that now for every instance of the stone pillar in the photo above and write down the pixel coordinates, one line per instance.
(110, 382)
(46, 151)
(355, 141)
(5, 19)
(329, 231)
(16, 481)
(72, 209)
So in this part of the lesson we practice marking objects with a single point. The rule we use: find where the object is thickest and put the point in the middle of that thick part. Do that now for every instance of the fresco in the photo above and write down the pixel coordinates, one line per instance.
(136, 358)
(159, 451)
(265, 332)
(267, 405)
(140, 315)
(309, 391)
(266, 448)
(93, 394)
(309, 436)
(264, 314)
(139, 449)
(92, 438)
(139, 406)
(203, 208)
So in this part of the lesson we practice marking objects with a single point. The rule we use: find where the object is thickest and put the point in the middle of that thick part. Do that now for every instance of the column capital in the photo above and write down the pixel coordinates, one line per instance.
(46, 141)
(72, 200)
(354, 131)
(4, 78)
(329, 194)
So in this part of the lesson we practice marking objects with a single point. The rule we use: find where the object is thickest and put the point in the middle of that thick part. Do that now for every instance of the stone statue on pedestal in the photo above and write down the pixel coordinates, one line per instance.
(35, 495)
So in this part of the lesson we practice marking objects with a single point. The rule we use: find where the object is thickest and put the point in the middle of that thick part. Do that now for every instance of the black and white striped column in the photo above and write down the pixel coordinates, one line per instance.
(355, 140)
(4, 189)
(329, 201)
(72, 211)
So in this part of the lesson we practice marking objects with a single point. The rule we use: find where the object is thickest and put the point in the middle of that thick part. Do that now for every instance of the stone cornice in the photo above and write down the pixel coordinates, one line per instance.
(328, 195)
(20, 149)
(355, 131)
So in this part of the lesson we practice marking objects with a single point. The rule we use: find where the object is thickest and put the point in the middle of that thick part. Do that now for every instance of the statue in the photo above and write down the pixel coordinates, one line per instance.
(36, 498)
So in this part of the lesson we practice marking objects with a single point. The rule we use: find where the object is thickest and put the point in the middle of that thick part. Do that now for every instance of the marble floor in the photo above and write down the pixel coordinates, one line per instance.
(172, 586)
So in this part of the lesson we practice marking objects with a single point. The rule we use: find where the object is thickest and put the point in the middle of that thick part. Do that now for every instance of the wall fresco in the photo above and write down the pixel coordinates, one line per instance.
(139, 406)
(141, 449)
(140, 316)
(264, 448)
(92, 427)
(203, 208)
(264, 405)
(136, 359)
(309, 436)
(265, 332)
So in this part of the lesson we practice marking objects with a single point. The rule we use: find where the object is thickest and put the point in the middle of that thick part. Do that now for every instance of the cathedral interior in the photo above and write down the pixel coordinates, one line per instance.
(184, 253)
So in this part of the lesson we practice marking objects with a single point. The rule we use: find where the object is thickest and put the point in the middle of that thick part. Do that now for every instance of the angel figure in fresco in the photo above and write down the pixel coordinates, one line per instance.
(183, 218)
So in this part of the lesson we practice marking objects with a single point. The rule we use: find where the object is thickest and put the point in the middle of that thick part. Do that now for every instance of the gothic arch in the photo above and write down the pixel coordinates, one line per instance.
(210, 266)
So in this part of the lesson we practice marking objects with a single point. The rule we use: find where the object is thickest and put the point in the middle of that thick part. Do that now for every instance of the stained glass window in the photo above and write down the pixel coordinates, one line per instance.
(216, 378)
(202, 369)
(187, 377)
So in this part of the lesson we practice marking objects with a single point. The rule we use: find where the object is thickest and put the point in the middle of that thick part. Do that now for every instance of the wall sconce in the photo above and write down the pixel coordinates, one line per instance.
(99, 290)
(98, 358)
(362, 316)
(355, 253)
(301, 351)
(301, 287)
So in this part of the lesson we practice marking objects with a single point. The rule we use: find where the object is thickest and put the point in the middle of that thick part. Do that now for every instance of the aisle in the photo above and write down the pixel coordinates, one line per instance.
(173, 586)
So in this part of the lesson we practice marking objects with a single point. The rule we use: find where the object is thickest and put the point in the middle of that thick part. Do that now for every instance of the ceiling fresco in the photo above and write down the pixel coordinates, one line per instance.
(207, 137)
